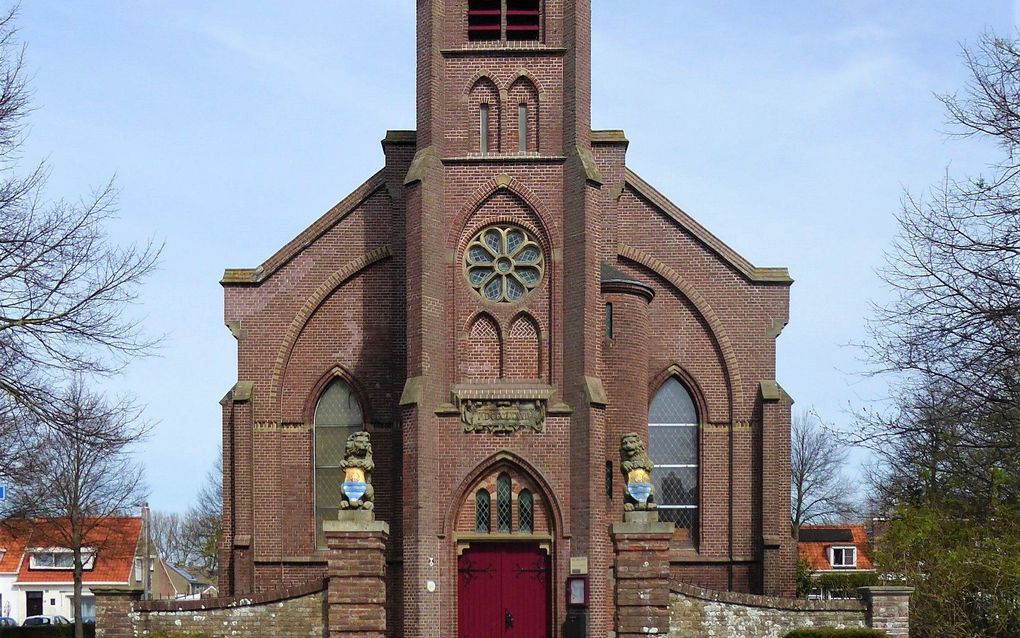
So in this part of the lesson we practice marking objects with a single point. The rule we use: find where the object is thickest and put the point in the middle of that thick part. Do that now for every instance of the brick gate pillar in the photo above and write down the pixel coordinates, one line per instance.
(113, 611)
(357, 575)
(641, 569)
(889, 609)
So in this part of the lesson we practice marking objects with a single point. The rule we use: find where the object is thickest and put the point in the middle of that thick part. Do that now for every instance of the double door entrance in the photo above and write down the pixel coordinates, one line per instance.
(503, 591)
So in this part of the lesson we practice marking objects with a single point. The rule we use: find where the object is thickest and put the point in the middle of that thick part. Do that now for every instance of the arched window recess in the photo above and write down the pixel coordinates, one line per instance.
(338, 413)
(673, 433)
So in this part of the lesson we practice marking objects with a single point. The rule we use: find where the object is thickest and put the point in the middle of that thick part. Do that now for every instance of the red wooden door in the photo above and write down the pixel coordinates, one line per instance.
(503, 591)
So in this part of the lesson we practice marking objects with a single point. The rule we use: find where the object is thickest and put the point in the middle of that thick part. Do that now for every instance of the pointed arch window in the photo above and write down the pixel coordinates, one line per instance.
(337, 414)
(525, 512)
(673, 448)
(504, 508)
(483, 507)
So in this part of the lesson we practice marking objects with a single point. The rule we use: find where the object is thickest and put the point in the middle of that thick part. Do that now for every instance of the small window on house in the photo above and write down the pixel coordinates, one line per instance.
(482, 509)
(522, 128)
(494, 21)
(525, 512)
(59, 558)
(504, 513)
(483, 129)
(844, 557)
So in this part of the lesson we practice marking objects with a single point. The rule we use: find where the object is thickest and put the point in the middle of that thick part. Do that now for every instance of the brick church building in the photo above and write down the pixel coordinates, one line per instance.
(497, 306)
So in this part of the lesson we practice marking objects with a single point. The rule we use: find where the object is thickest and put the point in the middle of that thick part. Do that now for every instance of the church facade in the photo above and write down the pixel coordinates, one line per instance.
(497, 307)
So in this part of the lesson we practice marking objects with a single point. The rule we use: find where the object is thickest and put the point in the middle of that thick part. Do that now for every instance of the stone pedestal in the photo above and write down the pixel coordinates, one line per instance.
(889, 609)
(113, 611)
(641, 568)
(357, 575)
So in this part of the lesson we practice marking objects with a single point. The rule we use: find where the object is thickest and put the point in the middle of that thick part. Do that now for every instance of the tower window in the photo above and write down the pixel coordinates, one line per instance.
(483, 129)
(608, 322)
(504, 20)
(522, 128)
(485, 20)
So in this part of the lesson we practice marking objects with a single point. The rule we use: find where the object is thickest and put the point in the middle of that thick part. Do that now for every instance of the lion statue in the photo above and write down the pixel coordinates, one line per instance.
(637, 473)
(357, 492)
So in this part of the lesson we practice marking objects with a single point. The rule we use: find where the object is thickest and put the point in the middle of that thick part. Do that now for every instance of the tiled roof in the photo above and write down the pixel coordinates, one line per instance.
(115, 540)
(13, 539)
(815, 553)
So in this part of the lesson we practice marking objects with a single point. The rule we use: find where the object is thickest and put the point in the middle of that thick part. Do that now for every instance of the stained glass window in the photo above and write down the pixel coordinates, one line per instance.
(503, 263)
(337, 415)
(504, 513)
(482, 508)
(673, 448)
(525, 512)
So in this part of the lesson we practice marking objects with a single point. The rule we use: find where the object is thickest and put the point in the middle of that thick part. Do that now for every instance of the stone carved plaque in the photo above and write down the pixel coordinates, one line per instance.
(502, 416)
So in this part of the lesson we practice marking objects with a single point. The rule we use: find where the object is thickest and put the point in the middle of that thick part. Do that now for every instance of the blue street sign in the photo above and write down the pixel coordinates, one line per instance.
(3, 492)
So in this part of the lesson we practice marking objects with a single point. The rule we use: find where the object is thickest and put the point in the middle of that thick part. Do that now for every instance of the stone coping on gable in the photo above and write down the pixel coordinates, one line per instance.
(227, 602)
(770, 602)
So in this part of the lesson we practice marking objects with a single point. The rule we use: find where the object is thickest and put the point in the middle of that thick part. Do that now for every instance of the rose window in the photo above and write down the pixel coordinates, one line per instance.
(503, 263)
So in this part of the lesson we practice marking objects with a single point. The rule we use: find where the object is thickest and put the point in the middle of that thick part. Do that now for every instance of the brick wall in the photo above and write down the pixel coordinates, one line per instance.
(290, 612)
(703, 613)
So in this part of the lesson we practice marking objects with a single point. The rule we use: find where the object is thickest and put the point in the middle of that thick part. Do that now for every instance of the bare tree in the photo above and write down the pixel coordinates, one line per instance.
(64, 287)
(192, 539)
(204, 521)
(167, 532)
(83, 473)
(819, 490)
(955, 268)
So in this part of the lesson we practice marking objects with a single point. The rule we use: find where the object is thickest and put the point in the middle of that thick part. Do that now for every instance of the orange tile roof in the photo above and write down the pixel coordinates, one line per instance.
(816, 555)
(13, 539)
(115, 540)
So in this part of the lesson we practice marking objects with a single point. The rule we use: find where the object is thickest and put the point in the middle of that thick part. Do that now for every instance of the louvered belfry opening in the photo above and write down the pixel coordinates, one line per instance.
(504, 20)
(522, 19)
(485, 20)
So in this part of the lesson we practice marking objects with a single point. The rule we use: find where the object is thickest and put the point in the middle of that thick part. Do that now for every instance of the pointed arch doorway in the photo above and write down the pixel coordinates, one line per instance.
(504, 559)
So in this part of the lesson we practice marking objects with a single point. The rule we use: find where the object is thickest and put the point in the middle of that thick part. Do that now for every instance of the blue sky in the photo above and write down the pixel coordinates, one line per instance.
(788, 129)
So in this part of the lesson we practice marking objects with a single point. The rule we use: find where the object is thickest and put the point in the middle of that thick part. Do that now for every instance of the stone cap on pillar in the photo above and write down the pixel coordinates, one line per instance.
(356, 521)
(115, 590)
(643, 527)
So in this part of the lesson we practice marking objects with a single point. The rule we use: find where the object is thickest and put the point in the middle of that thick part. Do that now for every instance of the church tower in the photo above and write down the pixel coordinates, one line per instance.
(503, 194)
(514, 318)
